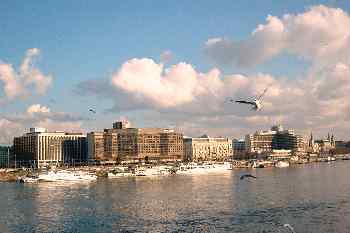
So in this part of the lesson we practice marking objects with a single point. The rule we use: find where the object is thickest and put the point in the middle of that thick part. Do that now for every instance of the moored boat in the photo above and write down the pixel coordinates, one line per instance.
(281, 164)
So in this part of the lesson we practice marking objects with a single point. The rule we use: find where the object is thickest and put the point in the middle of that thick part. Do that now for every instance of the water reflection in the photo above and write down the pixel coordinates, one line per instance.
(311, 198)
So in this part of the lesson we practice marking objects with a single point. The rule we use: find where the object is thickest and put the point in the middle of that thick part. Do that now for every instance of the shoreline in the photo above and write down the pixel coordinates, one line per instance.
(12, 175)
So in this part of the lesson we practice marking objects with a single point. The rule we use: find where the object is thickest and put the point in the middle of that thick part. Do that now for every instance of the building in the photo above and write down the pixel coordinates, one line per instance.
(280, 154)
(208, 149)
(239, 149)
(323, 146)
(274, 139)
(135, 144)
(342, 147)
(5, 156)
(40, 147)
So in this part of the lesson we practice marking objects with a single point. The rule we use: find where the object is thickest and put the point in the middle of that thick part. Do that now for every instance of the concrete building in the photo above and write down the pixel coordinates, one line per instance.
(208, 149)
(135, 144)
(274, 139)
(40, 147)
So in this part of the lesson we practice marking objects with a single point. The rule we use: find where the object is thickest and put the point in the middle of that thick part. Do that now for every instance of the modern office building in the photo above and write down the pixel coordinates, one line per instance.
(208, 149)
(274, 139)
(40, 147)
(135, 144)
(239, 149)
(5, 156)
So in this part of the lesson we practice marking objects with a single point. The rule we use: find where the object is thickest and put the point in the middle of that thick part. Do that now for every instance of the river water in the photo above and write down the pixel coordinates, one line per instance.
(311, 198)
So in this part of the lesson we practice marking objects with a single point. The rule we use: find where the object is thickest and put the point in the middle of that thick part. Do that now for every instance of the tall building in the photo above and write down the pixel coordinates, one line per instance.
(274, 139)
(239, 149)
(208, 149)
(42, 147)
(5, 156)
(134, 144)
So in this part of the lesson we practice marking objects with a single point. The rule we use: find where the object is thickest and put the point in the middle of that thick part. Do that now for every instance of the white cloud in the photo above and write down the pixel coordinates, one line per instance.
(195, 102)
(37, 116)
(318, 35)
(26, 81)
(149, 83)
(37, 108)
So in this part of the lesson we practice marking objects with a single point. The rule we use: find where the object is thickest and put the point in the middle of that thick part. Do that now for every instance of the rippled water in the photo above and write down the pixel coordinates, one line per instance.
(311, 198)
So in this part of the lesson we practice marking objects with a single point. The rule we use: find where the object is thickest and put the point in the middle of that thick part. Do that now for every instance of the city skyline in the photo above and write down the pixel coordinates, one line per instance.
(129, 61)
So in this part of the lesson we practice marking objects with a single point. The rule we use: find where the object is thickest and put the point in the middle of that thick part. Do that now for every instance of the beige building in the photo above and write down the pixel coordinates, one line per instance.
(42, 147)
(264, 142)
(135, 144)
(208, 149)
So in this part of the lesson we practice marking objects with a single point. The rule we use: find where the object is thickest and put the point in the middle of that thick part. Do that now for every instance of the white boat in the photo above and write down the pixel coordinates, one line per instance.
(28, 179)
(119, 174)
(282, 164)
(66, 176)
(140, 172)
(228, 165)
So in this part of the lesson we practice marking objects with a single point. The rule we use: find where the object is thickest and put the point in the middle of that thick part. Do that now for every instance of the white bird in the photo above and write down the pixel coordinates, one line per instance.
(256, 103)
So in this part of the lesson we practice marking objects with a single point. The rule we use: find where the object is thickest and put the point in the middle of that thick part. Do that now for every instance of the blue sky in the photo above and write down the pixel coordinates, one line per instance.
(84, 40)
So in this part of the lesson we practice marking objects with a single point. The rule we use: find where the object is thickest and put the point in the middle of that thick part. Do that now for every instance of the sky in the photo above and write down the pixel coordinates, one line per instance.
(174, 64)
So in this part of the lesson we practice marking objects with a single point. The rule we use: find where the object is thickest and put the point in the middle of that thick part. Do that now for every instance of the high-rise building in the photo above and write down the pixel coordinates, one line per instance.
(134, 144)
(208, 149)
(41, 147)
(5, 156)
(239, 148)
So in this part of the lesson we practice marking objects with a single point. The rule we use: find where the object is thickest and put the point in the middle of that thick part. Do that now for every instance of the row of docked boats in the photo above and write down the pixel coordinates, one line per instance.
(189, 168)
(79, 176)
(61, 175)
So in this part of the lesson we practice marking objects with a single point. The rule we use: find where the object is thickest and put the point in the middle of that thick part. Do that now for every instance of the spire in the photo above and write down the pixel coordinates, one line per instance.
(311, 141)
(328, 137)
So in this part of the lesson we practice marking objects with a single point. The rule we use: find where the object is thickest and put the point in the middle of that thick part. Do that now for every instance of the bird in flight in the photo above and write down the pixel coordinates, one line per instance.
(247, 176)
(289, 227)
(92, 110)
(256, 103)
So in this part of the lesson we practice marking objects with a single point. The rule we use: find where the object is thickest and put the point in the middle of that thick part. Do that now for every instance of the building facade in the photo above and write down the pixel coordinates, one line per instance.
(135, 144)
(239, 149)
(322, 146)
(274, 139)
(5, 156)
(208, 149)
(40, 147)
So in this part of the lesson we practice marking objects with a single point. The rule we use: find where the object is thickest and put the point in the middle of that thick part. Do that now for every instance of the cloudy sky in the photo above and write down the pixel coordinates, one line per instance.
(174, 64)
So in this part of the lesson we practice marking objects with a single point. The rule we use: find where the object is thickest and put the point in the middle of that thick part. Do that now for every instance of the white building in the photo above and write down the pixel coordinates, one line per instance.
(207, 149)
(42, 147)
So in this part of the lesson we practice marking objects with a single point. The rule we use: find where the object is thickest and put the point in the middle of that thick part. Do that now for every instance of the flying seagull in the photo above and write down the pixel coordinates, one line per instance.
(247, 176)
(289, 227)
(256, 103)
(91, 110)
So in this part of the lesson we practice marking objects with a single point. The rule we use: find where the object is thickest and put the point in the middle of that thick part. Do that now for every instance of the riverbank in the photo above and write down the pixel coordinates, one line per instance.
(148, 170)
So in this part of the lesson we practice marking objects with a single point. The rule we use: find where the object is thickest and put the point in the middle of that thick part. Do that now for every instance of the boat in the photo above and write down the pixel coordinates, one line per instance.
(281, 164)
(28, 179)
(228, 165)
(257, 164)
(120, 172)
(63, 175)
(139, 172)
